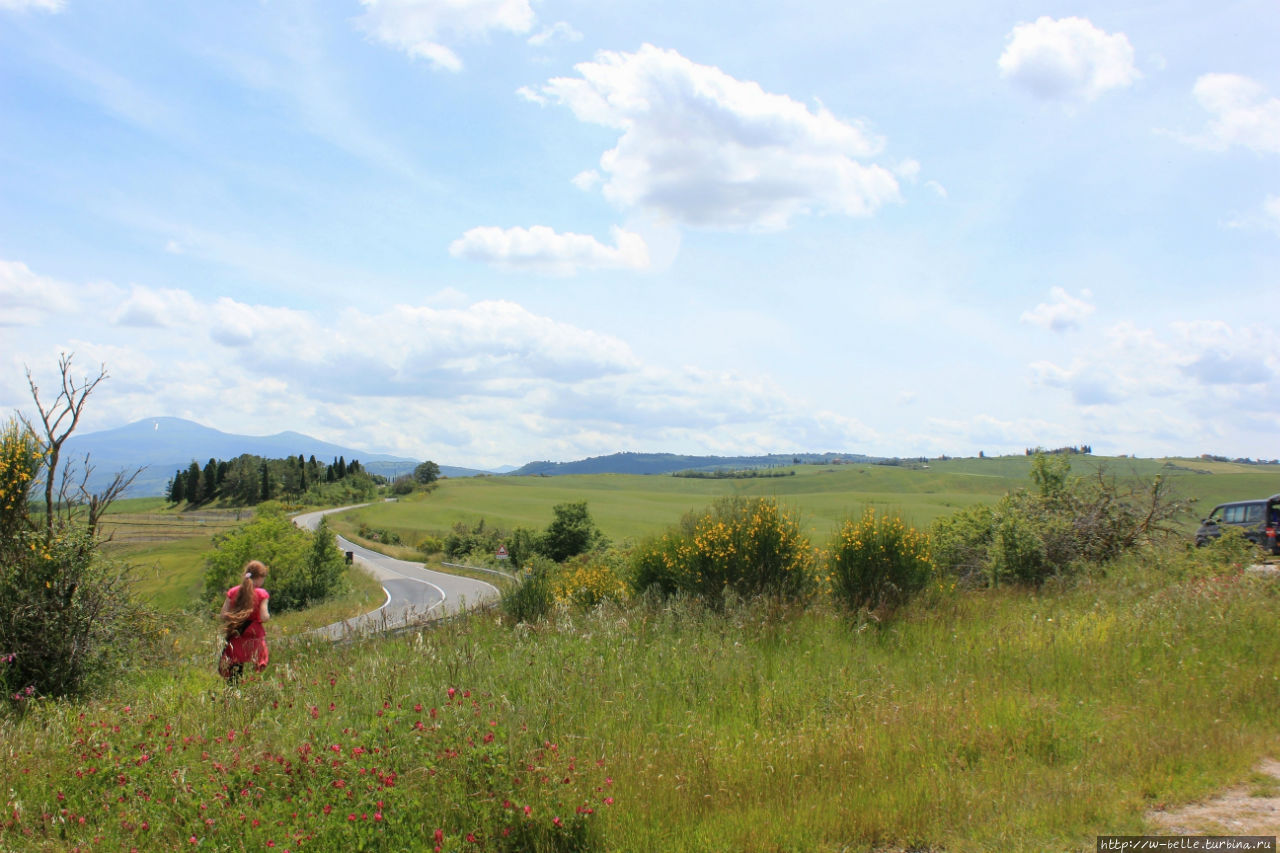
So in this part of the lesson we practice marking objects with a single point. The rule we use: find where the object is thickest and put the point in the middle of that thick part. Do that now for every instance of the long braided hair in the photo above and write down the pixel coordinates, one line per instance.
(245, 602)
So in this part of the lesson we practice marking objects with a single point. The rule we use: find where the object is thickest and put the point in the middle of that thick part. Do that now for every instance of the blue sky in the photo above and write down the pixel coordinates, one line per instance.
(491, 231)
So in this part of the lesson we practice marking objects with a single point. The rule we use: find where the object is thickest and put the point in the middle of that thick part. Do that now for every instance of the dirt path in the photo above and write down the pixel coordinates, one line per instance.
(1249, 809)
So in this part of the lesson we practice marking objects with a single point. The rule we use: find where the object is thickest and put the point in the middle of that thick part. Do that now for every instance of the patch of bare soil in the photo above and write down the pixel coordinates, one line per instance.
(1249, 809)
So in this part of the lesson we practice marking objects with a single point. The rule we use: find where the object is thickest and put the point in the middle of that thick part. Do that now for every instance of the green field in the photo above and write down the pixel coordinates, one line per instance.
(167, 547)
(628, 507)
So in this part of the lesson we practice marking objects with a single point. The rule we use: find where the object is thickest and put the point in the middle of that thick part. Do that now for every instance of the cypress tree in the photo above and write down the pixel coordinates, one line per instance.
(193, 483)
(210, 480)
(178, 487)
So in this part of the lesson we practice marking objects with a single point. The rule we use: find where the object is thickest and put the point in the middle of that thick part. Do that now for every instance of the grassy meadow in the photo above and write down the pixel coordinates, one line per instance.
(975, 719)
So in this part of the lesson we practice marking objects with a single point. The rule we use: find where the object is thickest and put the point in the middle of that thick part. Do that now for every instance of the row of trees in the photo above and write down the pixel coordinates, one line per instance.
(248, 479)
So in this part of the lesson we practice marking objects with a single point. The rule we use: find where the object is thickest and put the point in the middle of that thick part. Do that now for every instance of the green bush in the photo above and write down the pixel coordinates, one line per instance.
(878, 562)
(1231, 550)
(378, 534)
(1017, 551)
(1062, 522)
(68, 623)
(530, 599)
(430, 544)
(570, 533)
(961, 542)
(305, 567)
(465, 539)
(747, 546)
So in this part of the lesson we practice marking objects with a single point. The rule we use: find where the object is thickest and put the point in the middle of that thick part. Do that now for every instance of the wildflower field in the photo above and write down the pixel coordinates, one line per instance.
(976, 720)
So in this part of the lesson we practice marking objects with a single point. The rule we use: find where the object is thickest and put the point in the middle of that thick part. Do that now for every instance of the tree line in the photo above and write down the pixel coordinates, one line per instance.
(248, 479)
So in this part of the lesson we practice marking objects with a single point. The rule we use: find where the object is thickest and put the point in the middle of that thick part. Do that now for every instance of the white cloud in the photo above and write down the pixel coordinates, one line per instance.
(997, 435)
(1063, 312)
(420, 27)
(26, 299)
(1067, 59)
(544, 250)
(586, 180)
(1264, 218)
(1242, 114)
(1208, 367)
(36, 5)
(560, 30)
(704, 148)
(1271, 212)
(156, 308)
(484, 383)
(531, 95)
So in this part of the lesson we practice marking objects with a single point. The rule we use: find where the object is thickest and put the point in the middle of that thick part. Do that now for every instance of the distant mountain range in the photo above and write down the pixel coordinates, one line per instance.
(666, 463)
(163, 446)
(166, 445)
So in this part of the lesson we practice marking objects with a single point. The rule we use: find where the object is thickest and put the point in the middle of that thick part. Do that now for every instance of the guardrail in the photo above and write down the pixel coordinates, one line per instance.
(508, 575)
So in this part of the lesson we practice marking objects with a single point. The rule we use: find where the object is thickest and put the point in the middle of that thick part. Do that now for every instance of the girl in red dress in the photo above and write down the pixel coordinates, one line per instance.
(243, 613)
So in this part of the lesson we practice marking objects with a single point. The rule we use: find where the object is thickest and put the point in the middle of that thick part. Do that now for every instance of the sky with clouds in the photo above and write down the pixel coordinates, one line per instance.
(486, 232)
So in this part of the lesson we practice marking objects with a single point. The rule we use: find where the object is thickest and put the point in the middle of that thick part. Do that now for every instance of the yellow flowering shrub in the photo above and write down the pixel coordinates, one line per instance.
(21, 458)
(744, 545)
(586, 585)
(878, 562)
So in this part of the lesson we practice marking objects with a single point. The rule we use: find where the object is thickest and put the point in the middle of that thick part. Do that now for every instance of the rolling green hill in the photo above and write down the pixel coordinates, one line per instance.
(632, 506)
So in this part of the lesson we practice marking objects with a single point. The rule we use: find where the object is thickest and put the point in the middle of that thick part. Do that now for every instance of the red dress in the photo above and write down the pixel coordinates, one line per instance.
(251, 645)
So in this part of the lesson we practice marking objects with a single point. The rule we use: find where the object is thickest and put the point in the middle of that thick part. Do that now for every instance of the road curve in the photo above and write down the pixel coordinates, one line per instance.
(414, 592)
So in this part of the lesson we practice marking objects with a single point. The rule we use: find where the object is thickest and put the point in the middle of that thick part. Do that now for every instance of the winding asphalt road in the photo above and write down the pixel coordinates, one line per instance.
(414, 592)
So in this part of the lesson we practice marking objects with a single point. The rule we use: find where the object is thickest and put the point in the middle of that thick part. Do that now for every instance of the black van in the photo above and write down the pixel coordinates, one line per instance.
(1258, 520)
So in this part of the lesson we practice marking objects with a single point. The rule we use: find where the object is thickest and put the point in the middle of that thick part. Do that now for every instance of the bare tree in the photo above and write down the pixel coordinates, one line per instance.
(57, 421)
(95, 502)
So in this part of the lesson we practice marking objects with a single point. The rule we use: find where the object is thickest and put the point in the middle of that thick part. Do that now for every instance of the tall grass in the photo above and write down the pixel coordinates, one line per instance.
(979, 719)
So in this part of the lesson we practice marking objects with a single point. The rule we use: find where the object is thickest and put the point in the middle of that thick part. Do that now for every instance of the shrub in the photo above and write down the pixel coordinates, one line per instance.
(1060, 523)
(430, 544)
(1017, 550)
(962, 540)
(68, 621)
(20, 462)
(531, 598)
(587, 583)
(378, 534)
(878, 562)
(464, 539)
(1231, 550)
(570, 533)
(522, 545)
(305, 567)
(747, 546)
